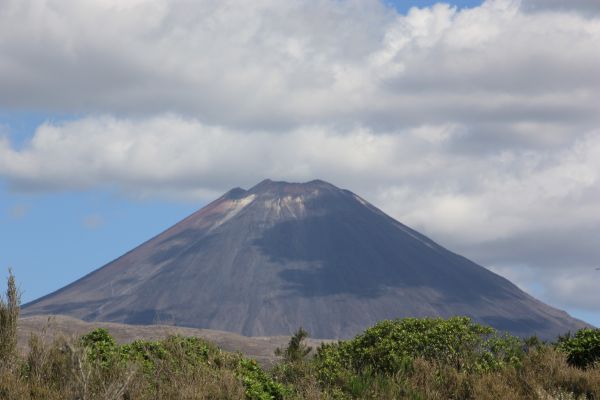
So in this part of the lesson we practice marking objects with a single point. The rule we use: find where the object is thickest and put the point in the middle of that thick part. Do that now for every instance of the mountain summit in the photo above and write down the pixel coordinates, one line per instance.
(280, 255)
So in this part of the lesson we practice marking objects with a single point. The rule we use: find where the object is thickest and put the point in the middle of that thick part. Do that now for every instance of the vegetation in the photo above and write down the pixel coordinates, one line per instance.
(583, 350)
(9, 315)
(400, 359)
(296, 350)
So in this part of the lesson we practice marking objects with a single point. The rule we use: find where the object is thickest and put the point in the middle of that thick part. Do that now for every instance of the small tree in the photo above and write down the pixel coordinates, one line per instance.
(296, 349)
(9, 315)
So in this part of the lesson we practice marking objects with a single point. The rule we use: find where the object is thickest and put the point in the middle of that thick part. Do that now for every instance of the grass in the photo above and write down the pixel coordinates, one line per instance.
(401, 359)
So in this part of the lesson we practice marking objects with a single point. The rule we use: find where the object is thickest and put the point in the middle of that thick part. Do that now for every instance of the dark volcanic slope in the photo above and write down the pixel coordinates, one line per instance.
(279, 256)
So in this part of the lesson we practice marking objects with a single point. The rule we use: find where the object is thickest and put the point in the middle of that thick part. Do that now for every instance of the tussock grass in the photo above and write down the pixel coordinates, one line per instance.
(402, 359)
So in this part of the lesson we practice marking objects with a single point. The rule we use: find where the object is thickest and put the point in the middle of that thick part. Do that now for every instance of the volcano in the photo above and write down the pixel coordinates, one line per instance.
(280, 255)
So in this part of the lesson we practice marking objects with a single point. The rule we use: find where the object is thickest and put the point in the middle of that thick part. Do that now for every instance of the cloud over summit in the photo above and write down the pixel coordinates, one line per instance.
(485, 119)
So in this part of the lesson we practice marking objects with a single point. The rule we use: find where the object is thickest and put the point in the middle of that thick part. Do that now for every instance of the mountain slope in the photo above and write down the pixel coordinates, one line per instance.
(282, 255)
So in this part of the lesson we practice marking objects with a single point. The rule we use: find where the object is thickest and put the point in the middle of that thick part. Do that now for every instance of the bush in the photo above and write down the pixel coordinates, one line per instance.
(400, 359)
(390, 346)
(259, 385)
(583, 349)
(101, 348)
(177, 357)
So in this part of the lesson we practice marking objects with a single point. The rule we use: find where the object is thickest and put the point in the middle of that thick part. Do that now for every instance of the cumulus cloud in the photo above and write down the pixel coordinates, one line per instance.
(477, 126)
(587, 7)
(572, 288)
(273, 64)
(515, 207)
(175, 156)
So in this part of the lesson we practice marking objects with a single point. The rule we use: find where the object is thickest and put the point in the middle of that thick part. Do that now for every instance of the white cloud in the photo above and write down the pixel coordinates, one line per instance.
(186, 157)
(476, 126)
(586, 7)
(274, 64)
(573, 288)
(423, 181)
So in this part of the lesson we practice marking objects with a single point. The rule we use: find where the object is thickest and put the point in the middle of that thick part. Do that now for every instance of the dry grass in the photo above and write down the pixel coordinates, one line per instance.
(61, 370)
(545, 374)
(52, 367)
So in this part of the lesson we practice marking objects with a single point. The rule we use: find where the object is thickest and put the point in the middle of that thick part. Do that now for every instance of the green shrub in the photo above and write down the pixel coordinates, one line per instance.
(259, 385)
(400, 359)
(499, 351)
(390, 346)
(175, 352)
(101, 348)
(180, 356)
(583, 349)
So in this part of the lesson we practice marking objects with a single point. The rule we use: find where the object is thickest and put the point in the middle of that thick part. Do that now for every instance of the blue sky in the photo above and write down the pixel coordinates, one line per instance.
(476, 126)
(404, 6)
(52, 239)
